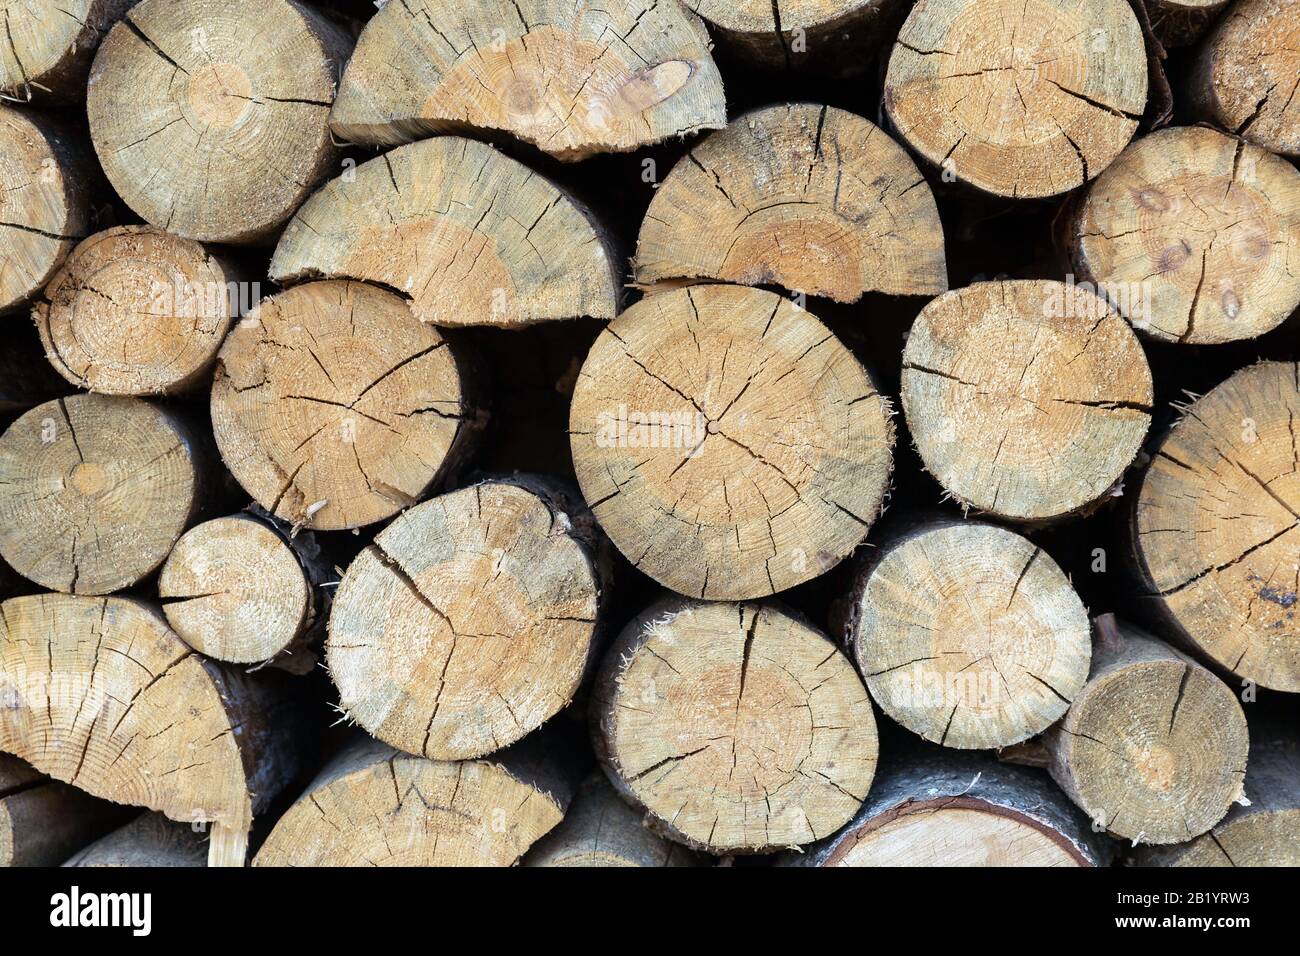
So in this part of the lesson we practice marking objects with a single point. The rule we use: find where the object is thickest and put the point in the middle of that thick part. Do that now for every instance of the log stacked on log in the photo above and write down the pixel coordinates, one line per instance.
(148, 840)
(43, 820)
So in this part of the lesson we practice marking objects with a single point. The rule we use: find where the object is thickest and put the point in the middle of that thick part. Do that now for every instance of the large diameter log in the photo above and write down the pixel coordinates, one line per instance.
(374, 806)
(471, 236)
(46, 177)
(99, 693)
(210, 117)
(570, 78)
(602, 830)
(1244, 79)
(334, 407)
(968, 634)
(471, 619)
(94, 491)
(812, 198)
(1180, 22)
(1194, 236)
(1153, 748)
(1018, 100)
(727, 442)
(149, 840)
(1026, 399)
(1215, 528)
(738, 728)
(43, 820)
(49, 45)
(137, 311)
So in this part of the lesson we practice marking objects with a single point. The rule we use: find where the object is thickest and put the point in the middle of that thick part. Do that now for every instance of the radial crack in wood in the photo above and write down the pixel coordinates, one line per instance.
(47, 45)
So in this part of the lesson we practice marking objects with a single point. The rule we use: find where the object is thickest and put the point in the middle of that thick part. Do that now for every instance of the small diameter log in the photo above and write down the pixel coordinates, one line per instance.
(240, 589)
(42, 820)
(1018, 100)
(602, 830)
(737, 727)
(374, 806)
(808, 197)
(149, 840)
(210, 117)
(471, 620)
(94, 491)
(469, 235)
(136, 311)
(572, 79)
(1153, 748)
(1194, 236)
(99, 693)
(1215, 527)
(47, 175)
(1026, 399)
(335, 407)
(968, 634)
(940, 808)
(49, 45)
(1180, 22)
(728, 444)
(1244, 80)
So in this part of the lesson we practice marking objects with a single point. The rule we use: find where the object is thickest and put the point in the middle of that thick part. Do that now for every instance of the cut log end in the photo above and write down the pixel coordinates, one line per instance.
(42, 821)
(1018, 100)
(729, 445)
(48, 46)
(790, 195)
(1026, 399)
(737, 727)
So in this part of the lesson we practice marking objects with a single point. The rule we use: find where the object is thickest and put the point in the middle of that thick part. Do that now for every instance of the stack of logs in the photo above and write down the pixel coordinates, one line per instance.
(534, 511)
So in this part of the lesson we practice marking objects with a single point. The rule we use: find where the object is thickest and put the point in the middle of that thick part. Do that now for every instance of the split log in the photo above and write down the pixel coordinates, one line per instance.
(49, 45)
(334, 407)
(471, 620)
(460, 229)
(94, 491)
(1216, 527)
(99, 693)
(374, 806)
(601, 830)
(811, 198)
(211, 117)
(240, 589)
(47, 180)
(1244, 80)
(1193, 236)
(728, 444)
(968, 634)
(42, 820)
(148, 840)
(570, 78)
(1014, 99)
(940, 808)
(1180, 22)
(1154, 747)
(1026, 399)
(738, 728)
(136, 311)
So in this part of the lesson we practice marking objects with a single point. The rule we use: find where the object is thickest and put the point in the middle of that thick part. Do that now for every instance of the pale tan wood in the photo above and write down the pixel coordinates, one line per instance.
(1247, 73)
(738, 728)
(968, 634)
(471, 236)
(149, 840)
(1194, 236)
(811, 198)
(571, 78)
(727, 442)
(210, 117)
(137, 311)
(471, 620)
(1180, 22)
(334, 407)
(48, 45)
(1216, 526)
(1018, 99)
(43, 820)
(95, 490)
(1026, 398)
(1153, 748)
(99, 693)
